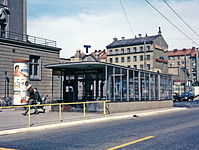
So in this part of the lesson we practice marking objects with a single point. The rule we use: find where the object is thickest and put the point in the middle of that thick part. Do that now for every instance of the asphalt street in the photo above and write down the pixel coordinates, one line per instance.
(173, 131)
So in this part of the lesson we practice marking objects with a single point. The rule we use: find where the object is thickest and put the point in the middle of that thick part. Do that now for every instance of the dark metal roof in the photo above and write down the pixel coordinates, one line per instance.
(91, 65)
(76, 65)
(134, 41)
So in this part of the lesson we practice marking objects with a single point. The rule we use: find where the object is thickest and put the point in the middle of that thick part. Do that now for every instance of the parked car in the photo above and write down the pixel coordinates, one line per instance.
(187, 96)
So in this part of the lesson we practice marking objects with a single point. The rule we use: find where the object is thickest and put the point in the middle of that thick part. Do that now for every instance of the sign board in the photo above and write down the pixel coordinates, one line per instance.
(21, 71)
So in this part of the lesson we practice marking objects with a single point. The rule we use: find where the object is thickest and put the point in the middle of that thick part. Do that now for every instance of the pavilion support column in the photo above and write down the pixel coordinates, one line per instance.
(127, 84)
(134, 85)
(106, 84)
(114, 84)
(121, 85)
(61, 86)
(139, 86)
(97, 89)
(52, 85)
(158, 80)
(149, 87)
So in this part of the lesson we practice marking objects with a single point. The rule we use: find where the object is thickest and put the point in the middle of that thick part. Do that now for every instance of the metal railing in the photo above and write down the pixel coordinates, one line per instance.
(26, 38)
(59, 108)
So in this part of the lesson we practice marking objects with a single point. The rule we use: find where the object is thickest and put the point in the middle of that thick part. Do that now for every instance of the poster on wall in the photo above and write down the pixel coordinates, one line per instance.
(21, 71)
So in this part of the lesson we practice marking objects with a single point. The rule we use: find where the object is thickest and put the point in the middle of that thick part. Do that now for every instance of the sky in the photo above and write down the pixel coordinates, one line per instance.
(75, 23)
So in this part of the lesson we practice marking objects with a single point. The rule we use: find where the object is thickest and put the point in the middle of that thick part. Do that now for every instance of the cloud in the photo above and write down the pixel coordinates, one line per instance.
(72, 33)
(97, 28)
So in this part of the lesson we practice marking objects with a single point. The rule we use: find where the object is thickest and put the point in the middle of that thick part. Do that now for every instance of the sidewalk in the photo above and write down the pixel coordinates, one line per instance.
(13, 122)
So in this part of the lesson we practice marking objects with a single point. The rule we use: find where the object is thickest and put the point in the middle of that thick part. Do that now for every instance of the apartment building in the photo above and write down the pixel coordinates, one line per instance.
(185, 59)
(142, 52)
(183, 64)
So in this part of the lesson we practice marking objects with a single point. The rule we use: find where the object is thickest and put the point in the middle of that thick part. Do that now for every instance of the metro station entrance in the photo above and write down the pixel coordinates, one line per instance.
(83, 85)
(90, 81)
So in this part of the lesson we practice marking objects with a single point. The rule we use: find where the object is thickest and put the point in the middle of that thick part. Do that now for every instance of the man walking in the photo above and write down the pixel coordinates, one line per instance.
(38, 99)
(31, 100)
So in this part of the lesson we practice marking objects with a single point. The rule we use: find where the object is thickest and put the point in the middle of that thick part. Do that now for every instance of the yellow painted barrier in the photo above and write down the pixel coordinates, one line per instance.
(59, 106)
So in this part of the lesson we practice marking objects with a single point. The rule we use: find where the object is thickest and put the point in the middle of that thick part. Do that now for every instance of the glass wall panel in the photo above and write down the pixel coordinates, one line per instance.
(146, 91)
(118, 84)
(152, 86)
(142, 82)
(156, 88)
(110, 85)
(142, 85)
(131, 85)
(170, 87)
(136, 85)
(124, 84)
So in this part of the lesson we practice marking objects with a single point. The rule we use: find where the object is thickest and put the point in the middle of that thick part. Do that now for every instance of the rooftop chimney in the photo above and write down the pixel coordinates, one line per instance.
(115, 39)
(159, 32)
(139, 35)
(193, 48)
(123, 38)
(184, 49)
(175, 50)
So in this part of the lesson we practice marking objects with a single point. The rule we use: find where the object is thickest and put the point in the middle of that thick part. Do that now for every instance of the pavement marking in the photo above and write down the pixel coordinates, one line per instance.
(129, 143)
(7, 149)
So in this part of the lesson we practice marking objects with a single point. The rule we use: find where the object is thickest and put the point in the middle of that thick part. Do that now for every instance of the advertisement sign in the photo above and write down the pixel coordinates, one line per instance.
(20, 82)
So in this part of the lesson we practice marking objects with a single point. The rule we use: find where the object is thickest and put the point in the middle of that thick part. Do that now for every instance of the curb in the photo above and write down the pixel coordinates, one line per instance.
(87, 121)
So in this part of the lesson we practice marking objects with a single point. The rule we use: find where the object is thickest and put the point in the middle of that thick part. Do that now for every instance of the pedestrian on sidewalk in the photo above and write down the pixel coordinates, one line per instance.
(31, 100)
(38, 99)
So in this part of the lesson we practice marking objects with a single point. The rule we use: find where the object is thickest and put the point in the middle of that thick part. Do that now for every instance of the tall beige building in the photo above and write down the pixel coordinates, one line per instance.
(17, 20)
(142, 52)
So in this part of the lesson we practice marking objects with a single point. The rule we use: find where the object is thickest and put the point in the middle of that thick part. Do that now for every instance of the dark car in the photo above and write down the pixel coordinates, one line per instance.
(183, 97)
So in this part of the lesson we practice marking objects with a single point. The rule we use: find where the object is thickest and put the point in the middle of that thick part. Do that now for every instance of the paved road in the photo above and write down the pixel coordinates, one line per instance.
(179, 130)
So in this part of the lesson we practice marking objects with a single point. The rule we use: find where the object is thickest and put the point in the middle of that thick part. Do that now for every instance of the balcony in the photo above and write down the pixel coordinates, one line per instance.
(26, 38)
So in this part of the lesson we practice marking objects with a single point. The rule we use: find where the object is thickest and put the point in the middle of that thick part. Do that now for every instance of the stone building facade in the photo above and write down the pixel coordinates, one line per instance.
(15, 44)
(37, 55)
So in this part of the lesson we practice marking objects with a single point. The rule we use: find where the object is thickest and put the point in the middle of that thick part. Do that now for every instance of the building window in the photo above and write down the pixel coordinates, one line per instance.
(35, 67)
(110, 51)
(135, 66)
(141, 58)
(141, 66)
(178, 63)
(135, 49)
(148, 66)
(122, 51)
(116, 51)
(116, 60)
(111, 60)
(170, 65)
(122, 59)
(148, 57)
(128, 50)
(141, 49)
(134, 58)
(148, 48)
(128, 59)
